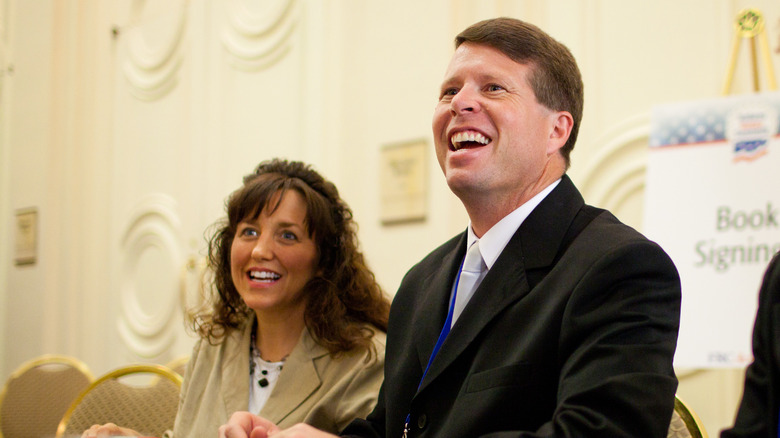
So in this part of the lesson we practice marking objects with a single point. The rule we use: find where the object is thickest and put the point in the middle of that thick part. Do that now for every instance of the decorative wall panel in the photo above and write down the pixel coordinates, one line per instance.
(153, 38)
(257, 34)
(150, 288)
(615, 178)
(194, 283)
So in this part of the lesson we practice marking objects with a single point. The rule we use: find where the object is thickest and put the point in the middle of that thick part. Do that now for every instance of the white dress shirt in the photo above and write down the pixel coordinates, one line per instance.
(493, 242)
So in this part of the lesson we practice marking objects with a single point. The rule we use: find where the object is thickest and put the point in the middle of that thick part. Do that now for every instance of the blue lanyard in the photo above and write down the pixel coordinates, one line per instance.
(443, 335)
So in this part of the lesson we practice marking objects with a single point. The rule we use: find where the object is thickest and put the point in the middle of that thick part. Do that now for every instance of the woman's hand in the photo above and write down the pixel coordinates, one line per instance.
(108, 430)
(301, 430)
(248, 425)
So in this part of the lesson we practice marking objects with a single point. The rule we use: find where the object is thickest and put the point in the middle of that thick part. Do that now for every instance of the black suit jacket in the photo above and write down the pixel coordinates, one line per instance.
(570, 334)
(759, 409)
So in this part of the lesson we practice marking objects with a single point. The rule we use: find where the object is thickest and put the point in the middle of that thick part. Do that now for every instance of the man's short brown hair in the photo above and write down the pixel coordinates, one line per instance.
(556, 79)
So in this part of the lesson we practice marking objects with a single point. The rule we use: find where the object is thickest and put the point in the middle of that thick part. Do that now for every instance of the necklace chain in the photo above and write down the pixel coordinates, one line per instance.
(268, 371)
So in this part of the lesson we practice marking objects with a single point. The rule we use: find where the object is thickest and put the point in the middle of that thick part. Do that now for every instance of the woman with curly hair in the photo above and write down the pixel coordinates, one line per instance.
(295, 329)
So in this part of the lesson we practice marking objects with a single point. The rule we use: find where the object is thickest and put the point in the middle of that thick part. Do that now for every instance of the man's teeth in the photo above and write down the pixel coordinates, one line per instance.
(264, 275)
(463, 137)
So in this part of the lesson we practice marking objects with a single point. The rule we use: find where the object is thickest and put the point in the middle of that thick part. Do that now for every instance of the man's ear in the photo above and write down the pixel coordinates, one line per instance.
(561, 125)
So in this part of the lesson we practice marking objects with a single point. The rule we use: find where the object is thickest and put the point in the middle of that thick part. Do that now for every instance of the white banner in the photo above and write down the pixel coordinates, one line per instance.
(712, 201)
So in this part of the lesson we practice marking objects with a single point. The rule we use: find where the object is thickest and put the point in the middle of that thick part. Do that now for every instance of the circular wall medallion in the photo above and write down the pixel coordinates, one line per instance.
(153, 38)
(258, 33)
(151, 257)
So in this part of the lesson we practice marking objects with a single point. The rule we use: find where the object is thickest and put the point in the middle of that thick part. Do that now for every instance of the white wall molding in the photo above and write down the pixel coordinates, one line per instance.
(5, 185)
(256, 40)
(617, 171)
(154, 226)
(153, 41)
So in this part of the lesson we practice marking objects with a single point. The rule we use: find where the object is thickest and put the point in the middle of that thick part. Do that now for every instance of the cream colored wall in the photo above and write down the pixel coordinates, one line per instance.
(5, 171)
(128, 142)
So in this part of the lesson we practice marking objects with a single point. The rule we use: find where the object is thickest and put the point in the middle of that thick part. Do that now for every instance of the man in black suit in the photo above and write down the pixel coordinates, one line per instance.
(759, 410)
(572, 328)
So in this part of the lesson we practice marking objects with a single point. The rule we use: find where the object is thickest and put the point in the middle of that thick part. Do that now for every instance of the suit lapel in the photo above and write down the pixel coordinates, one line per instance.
(548, 229)
(297, 382)
(504, 283)
(535, 245)
(437, 287)
(235, 370)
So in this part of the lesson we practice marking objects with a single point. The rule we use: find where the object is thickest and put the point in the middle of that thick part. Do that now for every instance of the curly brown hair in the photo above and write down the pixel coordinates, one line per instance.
(342, 298)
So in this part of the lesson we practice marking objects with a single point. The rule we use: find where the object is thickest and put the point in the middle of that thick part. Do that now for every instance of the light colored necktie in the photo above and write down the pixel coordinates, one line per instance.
(470, 277)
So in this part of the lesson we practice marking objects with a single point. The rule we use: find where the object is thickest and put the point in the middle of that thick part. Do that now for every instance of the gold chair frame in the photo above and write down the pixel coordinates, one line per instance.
(159, 370)
(46, 359)
(179, 364)
(692, 422)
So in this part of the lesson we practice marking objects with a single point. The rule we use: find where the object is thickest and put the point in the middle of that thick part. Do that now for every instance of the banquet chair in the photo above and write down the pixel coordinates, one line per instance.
(179, 364)
(685, 423)
(140, 397)
(38, 393)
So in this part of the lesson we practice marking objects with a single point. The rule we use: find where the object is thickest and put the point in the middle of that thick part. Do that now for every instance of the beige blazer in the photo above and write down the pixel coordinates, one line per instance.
(313, 387)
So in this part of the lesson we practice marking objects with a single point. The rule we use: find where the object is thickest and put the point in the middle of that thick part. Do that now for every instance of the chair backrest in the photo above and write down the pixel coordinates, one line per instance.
(38, 393)
(179, 364)
(685, 423)
(141, 397)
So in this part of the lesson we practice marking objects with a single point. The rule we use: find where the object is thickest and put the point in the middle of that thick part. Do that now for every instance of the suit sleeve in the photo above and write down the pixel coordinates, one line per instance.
(360, 394)
(617, 343)
(757, 415)
(178, 424)
(373, 425)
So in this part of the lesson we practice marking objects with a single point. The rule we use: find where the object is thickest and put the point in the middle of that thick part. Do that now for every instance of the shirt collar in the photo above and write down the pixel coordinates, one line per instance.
(496, 238)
